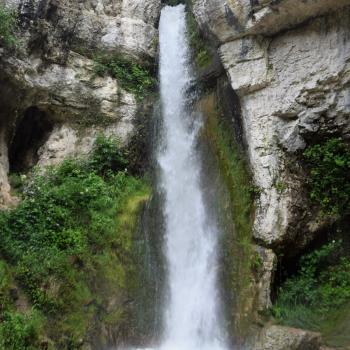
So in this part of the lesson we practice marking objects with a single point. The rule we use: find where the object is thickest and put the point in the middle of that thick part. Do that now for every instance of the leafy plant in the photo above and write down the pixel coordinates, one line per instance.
(201, 53)
(107, 155)
(329, 168)
(20, 332)
(8, 24)
(69, 236)
(131, 76)
(321, 286)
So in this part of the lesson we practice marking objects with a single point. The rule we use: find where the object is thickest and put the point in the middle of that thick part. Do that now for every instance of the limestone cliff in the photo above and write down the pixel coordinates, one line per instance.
(49, 83)
(288, 63)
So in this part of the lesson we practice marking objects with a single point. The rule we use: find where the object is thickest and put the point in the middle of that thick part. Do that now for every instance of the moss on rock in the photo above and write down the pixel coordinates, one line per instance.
(235, 212)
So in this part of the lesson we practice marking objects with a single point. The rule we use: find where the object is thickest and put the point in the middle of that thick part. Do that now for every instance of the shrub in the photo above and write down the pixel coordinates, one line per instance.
(20, 332)
(107, 155)
(8, 23)
(321, 285)
(131, 76)
(329, 181)
(66, 224)
(202, 56)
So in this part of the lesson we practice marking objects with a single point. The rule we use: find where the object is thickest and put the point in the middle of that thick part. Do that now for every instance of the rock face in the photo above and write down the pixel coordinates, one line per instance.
(114, 26)
(285, 338)
(49, 78)
(288, 61)
(266, 270)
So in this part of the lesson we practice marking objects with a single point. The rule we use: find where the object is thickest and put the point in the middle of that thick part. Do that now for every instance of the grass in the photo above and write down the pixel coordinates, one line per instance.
(68, 246)
(8, 25)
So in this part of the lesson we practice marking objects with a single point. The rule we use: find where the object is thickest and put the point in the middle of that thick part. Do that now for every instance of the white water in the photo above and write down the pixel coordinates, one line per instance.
(191, 314)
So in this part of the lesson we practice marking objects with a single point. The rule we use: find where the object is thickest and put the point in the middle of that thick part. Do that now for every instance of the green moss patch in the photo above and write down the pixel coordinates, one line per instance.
(239, 259)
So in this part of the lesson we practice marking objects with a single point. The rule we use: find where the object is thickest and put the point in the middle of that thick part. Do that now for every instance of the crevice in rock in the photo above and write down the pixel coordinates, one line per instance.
(31, 133)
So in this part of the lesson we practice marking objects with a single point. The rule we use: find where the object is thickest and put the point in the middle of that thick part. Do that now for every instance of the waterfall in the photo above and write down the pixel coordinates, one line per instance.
(191, 312)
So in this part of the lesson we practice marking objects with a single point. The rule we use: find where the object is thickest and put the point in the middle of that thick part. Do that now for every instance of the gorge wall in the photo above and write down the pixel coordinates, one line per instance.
(279, 74)
(288, 65)
(50, 76)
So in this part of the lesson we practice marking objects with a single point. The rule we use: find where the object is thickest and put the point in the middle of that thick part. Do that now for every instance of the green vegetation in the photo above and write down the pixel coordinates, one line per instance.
(131, 76)
(313, 297)
(68, 248)
(317, 296)
(239, 258)
(8, 24)
(202, 56)
(329, 167)
(19, 331)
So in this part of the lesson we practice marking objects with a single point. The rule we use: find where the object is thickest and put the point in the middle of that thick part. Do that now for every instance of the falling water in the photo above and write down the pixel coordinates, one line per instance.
(191, 314)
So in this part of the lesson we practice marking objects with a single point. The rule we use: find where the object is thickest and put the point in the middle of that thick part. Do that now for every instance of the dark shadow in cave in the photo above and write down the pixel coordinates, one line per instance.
(289, 266)
(31, 133)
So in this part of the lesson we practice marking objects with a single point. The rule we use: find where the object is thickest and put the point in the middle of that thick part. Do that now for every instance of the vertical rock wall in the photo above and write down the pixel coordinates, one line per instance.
(52, 69)
(288, 61)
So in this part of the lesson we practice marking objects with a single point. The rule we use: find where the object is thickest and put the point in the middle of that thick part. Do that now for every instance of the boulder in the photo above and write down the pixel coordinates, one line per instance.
(286, 338)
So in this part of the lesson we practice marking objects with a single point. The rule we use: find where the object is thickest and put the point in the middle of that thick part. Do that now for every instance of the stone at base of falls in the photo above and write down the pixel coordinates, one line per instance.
(286, 338)
(267, 265)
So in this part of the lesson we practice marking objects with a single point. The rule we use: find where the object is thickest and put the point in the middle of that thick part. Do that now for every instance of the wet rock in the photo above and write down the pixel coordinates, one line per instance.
(293, 90)
(285, 338)
(267, 262)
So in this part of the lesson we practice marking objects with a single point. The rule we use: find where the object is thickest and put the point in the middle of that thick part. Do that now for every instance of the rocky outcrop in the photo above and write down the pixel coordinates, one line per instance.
(52, 72)
(111, 26)
(230, 20)
(285, 338)
(267, 263)
(289, 67)
(288, 63)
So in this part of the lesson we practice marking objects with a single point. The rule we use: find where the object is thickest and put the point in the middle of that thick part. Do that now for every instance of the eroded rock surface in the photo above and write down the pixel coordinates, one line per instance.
(288, 63)
(286, 338)
(52, 70)
(292, 86)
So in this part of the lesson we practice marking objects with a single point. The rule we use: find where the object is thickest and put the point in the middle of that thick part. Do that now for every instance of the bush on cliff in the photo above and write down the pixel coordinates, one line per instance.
(320, 288)
(8, 23)
(67, 247)
(131, 76)
(329, 181)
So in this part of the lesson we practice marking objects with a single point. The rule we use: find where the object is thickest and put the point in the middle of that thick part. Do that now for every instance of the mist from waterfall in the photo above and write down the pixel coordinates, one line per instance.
(191, 312)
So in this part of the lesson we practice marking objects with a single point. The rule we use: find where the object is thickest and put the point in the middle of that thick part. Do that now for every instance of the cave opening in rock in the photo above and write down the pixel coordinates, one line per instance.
(31, 133)
(289, 266)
